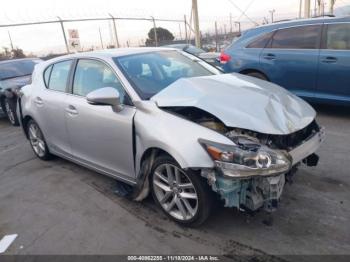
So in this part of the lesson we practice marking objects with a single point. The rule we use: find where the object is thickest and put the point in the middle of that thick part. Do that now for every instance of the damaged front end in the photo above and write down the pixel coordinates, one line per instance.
(251, 174)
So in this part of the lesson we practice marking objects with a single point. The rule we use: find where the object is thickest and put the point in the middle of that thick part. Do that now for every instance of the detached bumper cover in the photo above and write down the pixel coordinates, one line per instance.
(308, 147)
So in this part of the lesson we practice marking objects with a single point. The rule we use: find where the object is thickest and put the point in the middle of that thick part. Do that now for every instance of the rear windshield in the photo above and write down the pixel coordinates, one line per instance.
(14, 69)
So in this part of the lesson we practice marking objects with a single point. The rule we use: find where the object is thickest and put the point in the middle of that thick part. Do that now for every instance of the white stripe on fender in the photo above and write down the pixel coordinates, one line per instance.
(6, 241)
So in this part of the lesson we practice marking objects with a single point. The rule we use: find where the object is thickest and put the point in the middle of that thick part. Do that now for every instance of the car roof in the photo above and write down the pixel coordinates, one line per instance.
(109, 53)
(309, 21)
(252, 33)
(19, 59)
(178, 46)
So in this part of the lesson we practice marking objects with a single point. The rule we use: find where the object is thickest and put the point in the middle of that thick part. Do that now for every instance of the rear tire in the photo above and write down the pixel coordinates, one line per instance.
(10, 106)
(183, 195)
(37, 141)
(257, 75)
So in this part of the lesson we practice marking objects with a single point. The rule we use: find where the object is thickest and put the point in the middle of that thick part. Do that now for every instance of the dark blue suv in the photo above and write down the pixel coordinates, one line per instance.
(309, 57)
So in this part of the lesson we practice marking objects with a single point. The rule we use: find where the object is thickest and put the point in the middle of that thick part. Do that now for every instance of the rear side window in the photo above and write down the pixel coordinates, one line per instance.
(338, 37)
(47, 74)
(302, 37)
(261, 41)
(59, 76)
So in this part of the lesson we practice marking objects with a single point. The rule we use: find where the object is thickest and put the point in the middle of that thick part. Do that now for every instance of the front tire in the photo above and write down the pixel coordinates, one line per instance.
(37, 141)
(10, 106)
(182, 194)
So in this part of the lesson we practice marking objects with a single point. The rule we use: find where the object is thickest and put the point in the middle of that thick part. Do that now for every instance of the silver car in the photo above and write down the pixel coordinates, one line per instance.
(162, 121)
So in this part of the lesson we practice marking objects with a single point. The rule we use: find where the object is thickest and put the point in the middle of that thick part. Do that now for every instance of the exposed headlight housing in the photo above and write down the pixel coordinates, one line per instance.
(247, 158)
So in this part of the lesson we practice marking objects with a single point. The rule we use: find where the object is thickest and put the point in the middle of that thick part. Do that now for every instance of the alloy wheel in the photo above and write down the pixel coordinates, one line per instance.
(175, 192)
(9, 112)
(36, 140)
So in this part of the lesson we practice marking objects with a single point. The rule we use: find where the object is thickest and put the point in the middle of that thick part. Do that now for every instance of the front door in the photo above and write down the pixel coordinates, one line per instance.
(100, 137)
(334, 64)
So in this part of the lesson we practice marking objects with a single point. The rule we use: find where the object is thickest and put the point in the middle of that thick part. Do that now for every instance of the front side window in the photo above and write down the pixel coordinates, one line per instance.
(302, 37)
(59, 76)
(149, 73)
(261, 41)
(338, 37)
(91, 75)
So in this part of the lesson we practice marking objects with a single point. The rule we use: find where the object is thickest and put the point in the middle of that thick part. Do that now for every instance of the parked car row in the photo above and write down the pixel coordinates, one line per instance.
(209, 57)
(14, 74)
(310, 58)
(166, 123)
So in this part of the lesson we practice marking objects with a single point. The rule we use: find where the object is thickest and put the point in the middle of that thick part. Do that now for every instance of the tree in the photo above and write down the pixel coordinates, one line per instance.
(163, 36)
(17, 53)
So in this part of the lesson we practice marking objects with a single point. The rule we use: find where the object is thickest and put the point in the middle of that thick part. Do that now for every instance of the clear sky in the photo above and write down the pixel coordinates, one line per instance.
(47, 38)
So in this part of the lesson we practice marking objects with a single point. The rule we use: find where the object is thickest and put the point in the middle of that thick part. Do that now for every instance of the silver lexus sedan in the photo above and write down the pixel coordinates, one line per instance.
(164, 122)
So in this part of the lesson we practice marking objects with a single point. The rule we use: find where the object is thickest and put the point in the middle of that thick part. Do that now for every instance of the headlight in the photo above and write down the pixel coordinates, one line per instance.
(247, 158)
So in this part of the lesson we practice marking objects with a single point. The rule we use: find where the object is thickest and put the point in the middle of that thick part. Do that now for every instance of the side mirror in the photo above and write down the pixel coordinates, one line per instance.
(105, 96)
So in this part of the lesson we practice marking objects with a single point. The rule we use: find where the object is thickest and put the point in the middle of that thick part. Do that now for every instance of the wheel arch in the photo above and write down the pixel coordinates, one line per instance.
(251, 70)
(148, 156)
(25, 120)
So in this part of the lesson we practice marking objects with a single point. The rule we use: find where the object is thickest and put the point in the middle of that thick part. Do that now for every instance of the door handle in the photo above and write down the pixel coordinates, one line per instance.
(71, 110)
(38, 101)
(270, 56)
(330, 59)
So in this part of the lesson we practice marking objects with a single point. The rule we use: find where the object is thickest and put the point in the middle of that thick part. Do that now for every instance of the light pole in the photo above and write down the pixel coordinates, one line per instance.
(196, 23)
(307, 9)
(64, 34)
(272, 12)
(331, 6)
(155, 31)
(239, 26)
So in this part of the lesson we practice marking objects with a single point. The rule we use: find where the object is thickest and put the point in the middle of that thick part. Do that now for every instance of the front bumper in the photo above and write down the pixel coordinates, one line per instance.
(259, 191)
(307, 147)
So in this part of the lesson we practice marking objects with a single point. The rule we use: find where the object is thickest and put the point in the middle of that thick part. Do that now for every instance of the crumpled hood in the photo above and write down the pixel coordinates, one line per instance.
(240, 101)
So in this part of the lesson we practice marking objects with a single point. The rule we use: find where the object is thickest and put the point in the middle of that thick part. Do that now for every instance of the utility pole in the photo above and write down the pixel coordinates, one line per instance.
(307, 9)
(239, 26)
(8, 32)
(155, 31)
(180, 31)
(272, 12)
(231, 23)
(185, 21)
(99, 30)
(331, 6)
(196, 23)
(216, 36)
(225, 31)
(300, 7)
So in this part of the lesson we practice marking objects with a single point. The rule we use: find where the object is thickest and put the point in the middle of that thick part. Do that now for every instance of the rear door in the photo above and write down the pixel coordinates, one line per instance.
(50, 105)
(334, 63)
(291, 58)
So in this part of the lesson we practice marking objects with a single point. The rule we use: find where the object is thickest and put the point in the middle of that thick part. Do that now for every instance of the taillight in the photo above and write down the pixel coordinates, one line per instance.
(224, 58)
